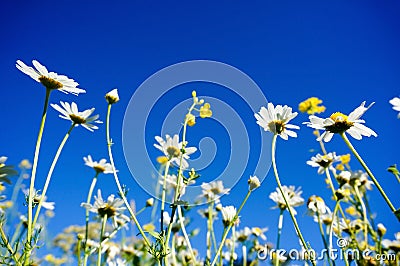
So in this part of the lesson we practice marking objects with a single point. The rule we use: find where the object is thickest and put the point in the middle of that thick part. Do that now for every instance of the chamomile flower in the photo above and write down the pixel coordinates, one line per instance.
(36, 198)
(253, 182)
(275, 120)
(100, 167)
(339, 123)
(293, 197)
(228, 215)
(172, 148)
(324, 161)
(396, 105)
(84, 118)
(243, 234)
(212, 190)
(112, 208)
(172, 181)
(112, 96)
(316, 204)
(259, 232)
(6, 170)
(51, 80)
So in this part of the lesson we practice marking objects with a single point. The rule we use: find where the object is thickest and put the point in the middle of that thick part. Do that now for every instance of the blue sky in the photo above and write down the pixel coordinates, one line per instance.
(343, 52)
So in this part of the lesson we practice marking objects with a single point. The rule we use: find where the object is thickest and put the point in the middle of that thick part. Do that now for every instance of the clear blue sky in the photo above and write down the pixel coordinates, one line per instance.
(344, 52)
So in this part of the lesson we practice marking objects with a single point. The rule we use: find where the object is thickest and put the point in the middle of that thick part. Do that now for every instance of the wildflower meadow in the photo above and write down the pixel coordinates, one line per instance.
(171, 172)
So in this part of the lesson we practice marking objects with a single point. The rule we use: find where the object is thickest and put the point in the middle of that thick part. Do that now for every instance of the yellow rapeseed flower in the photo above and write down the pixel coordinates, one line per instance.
(162, 159)
(205, 111)
(345, 159)
(311, 106)
(191, 120)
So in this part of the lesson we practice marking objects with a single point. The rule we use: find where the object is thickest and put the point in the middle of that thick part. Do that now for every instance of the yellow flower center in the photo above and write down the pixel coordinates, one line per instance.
(50, 83)
(276, 127)
(99, 169)
(325, 161)
(77, 119)
(341, 124)
(173, 151)
(107, 210)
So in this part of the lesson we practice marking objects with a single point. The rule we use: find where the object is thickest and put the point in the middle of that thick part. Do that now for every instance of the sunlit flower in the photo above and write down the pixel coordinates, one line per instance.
(253, 182)
(36, 199)
(259, 232)
(191, 120)
(112, 208)
(227, 255)
(392, 244)
(112, 96)
(172, 181)
(228, 215)
(275, 120)
(25, 164)
(325, 218)
(323, 161)
(381, 229)
(51, 80)
(311, 106)
(205, 111)
(243, 235)
(340, 123)
(361, 180)
(293, 197)
(100, 167)
(70, 112)
(172, 148)
(396, 105)
(212, 190)
(316, 205)
(6, 170)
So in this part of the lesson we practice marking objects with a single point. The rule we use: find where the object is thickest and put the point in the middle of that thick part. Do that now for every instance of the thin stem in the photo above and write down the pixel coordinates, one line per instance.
(50, 173)
(278, 239)
(8, 246)
(228, 228)
(89, 197)
(296, 226)
(364, 211)
(79, 250)
(109, 143)
(244, 255)
(180, 217)
(33, 176)
(208, 235)
(321, 230)
(163, 195)
(103, 227)
(364, 165)
(232, 258)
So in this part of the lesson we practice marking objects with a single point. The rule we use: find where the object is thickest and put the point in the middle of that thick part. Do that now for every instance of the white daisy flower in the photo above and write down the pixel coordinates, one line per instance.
(316, 204)
(360, 179)
(396, 105)
(36, 199)
(212, 190)
(112, 96)
(172, 148)
(172, 181)
(325, 218)
(259, 232)
(70, 112)
(112, 208)
(293, 197)
(50, 80)
(6, 170)
(228, 214)
(324, 161)
(340, 123)
(243, 235)
(275, 120)
(253, 182)
(100, 167)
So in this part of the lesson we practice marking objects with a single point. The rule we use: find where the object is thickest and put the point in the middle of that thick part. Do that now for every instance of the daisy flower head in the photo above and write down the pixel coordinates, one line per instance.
(324, 161)
(311, 106)
(51, 80)
(293, 197)
(6, 170)
(83, 118)
(112, 208)
(228, 215)
(396, 105)
(275, 120)
(211, 191)
(316, 204)
(253, 182)
(339, 123)
(112, 96)
(36, 198)
(100, 167)
(173, 149)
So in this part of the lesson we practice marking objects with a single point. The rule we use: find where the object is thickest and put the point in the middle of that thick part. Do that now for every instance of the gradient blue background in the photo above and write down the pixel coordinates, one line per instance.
(344, 52)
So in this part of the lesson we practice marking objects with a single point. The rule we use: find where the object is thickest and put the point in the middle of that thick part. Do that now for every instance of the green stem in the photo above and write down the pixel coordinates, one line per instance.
(296, 226)
(364, 211)
(321, 230)
(163, 195)
(79, 250)
(183, 228)
(8, 246)
(232, 259)
(208, 235)
(278, 239)
(28, 248)
(225, 234)
(50, 173)
(244, 255)
(89, 197)
(109, 143)
(364, 165)
(103, 227)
